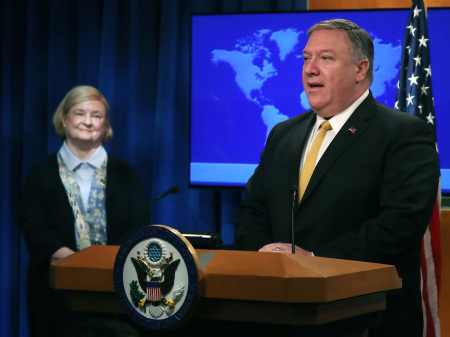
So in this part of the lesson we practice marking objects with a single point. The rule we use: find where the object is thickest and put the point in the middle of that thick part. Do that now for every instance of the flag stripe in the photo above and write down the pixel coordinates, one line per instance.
(436, 243)
(429, 288)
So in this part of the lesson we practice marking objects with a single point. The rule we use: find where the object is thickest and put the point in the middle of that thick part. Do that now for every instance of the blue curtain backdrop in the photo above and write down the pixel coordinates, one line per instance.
(137, 53)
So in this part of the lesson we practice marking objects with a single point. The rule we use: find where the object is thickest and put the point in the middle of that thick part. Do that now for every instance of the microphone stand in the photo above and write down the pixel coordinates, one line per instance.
(294, 189)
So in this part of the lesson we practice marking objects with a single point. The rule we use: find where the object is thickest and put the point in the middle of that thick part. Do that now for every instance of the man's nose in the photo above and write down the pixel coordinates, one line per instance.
(310, 67)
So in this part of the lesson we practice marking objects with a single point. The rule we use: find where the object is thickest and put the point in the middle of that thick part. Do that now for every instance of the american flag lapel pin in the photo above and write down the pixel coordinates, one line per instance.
(352, 129)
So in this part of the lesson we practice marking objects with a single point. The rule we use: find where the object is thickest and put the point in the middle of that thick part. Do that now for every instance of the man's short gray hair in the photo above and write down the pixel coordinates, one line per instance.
(361, 41)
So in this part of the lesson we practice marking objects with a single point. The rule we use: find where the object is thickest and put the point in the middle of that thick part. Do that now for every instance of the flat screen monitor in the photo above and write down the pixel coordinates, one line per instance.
(246, 77)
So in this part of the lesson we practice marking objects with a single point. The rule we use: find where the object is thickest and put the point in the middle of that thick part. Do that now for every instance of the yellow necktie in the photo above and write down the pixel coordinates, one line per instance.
(310, 161)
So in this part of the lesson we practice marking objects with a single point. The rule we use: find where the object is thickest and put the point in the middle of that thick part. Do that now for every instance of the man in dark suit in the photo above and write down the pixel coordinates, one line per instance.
(372, 191)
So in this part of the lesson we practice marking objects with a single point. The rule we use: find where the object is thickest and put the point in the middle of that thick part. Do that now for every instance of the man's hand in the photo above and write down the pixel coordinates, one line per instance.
(284, 248)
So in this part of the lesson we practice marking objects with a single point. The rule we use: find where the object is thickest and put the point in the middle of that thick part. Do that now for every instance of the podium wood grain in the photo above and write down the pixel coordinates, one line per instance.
(244, 286)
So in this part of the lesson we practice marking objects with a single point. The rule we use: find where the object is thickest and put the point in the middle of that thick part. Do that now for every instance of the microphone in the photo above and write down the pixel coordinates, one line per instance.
(294, 189)
(172, 190)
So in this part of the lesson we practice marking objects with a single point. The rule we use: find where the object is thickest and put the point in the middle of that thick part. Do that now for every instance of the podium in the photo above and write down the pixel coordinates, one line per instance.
(240, 286)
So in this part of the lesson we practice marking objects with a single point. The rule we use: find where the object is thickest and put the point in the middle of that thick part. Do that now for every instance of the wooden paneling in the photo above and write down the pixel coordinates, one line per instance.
(444, 298)
(354, 4)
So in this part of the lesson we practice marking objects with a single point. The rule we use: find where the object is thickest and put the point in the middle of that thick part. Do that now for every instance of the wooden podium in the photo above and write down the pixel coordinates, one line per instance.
(244, 286)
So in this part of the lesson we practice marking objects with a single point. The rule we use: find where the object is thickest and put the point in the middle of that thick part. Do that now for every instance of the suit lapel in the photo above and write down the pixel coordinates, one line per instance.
(298, 141)
(355, 126)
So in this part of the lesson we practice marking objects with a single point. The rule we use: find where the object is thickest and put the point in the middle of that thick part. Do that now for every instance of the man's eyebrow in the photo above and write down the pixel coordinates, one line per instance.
(320, 51)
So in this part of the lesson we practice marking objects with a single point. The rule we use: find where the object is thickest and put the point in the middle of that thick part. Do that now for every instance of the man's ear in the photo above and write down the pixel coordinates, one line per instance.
(363, 68)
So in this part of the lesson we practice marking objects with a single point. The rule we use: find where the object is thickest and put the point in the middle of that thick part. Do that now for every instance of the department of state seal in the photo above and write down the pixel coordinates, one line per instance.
(157, 278)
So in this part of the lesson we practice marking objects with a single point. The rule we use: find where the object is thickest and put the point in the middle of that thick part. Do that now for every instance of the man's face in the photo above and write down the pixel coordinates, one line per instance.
(330, 75)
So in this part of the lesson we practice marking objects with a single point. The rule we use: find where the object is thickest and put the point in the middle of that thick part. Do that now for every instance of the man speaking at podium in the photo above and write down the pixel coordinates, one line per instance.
(366, 175)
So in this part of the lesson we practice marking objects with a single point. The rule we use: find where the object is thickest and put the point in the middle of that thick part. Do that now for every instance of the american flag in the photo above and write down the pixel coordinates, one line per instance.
(415, 96)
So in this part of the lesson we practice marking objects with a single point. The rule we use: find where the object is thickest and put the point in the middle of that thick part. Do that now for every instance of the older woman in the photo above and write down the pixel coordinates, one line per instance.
(77, 197)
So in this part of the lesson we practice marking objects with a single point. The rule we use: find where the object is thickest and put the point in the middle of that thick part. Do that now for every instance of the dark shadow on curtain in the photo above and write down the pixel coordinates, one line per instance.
(137, 53)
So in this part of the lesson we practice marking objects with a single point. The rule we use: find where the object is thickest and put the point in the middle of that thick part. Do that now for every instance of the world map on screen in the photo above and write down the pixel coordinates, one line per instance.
(246, 76)
(261, 57)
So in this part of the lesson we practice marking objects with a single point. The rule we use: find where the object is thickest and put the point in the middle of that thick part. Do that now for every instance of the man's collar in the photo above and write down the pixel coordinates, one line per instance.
(338, 120)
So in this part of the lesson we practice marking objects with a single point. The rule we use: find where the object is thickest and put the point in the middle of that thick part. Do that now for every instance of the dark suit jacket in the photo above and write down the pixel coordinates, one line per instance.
(48, 224)
(370, 197)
